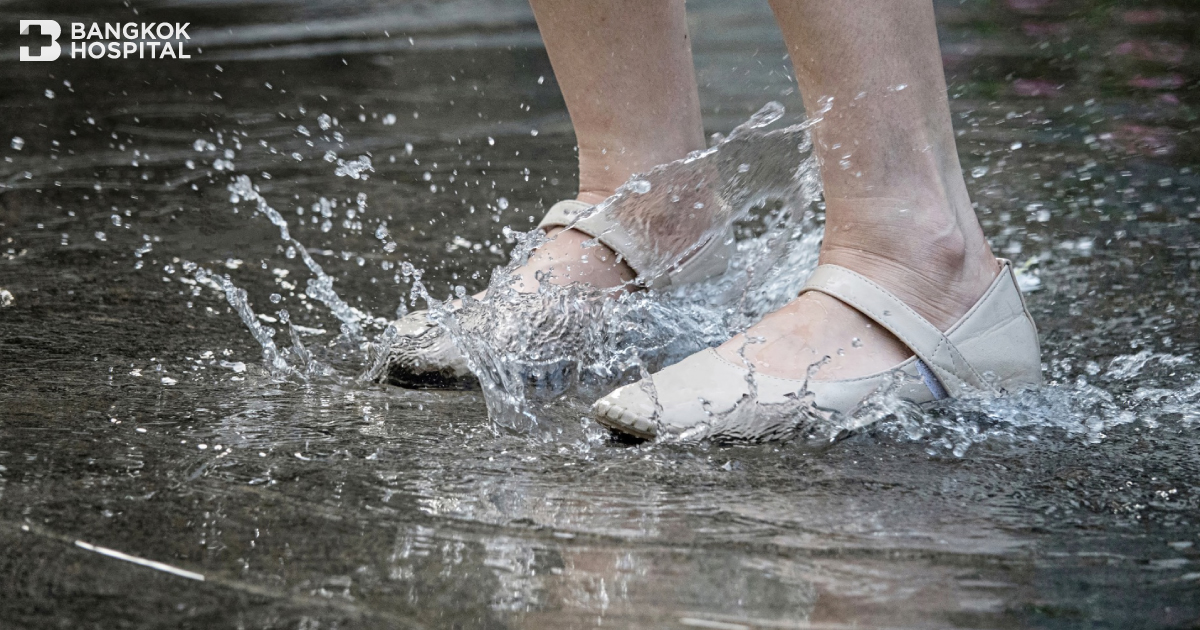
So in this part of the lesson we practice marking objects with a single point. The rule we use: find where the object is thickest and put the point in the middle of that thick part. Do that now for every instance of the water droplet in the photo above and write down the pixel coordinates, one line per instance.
(355, 169)
(18, 143)
(769, 113)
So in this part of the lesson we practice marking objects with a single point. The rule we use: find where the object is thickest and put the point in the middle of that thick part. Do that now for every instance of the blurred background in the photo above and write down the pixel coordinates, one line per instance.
(1087, 90)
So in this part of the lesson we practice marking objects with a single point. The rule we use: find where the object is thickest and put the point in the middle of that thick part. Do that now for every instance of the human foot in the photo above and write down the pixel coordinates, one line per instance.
(863, 315)
(570, 257)
(589, 247)
(588, 255)
(420, 354)
(940, 279)
(993, 347)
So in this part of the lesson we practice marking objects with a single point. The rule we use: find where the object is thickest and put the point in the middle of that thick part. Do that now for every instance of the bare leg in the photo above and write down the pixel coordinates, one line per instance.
(897, 206)
(625, 69)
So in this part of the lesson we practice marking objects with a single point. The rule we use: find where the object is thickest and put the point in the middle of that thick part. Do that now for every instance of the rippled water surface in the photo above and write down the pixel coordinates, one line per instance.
(155, 471)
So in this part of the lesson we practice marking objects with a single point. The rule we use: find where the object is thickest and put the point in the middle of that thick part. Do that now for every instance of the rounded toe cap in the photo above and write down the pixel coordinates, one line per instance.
(628, 410)
(422, 356)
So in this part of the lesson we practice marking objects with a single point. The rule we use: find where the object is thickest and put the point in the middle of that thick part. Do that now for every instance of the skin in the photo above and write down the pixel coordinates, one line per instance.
(636, 110)
(897, 205)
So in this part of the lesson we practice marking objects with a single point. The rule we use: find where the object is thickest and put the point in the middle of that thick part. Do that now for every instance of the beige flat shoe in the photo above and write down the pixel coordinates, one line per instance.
(994, 347)
(423, 356)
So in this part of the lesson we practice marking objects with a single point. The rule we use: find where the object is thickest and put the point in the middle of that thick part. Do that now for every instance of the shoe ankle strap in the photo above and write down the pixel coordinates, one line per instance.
(574, 214)
(932, 346)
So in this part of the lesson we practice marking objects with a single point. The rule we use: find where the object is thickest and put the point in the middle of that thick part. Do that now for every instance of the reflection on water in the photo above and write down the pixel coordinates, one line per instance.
(137, 413)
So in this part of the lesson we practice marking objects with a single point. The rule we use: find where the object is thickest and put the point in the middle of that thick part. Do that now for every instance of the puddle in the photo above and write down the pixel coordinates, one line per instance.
(179, 374)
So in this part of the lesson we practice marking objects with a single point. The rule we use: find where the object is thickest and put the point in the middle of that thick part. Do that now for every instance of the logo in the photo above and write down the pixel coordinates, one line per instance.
(49, 52)
(111, 40)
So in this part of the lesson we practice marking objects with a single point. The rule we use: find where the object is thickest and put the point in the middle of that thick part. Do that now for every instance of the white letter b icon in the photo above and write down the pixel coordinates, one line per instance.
(50, 29)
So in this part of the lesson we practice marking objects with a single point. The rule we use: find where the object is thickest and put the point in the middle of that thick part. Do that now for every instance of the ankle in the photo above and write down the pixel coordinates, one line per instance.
(936, 261)
(593, 196)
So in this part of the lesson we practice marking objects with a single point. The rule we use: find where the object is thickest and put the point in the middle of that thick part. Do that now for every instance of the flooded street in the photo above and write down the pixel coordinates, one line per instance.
(155, 472)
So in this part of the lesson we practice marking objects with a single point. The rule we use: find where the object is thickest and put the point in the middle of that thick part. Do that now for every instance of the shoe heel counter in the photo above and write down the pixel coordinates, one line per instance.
(1029, 337)
(1022, 364)
(1002, 343)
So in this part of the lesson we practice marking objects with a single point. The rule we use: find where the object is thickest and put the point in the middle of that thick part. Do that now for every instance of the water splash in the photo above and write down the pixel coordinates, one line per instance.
(757, 187)
(240, 302)
(320, 286)
(1074, 409)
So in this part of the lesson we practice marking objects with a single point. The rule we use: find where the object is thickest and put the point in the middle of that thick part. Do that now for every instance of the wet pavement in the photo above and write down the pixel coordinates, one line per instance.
(138, 426)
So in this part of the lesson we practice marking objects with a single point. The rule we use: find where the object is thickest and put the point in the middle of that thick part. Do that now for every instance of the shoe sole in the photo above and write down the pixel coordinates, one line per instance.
(617, 419)
(440, 380)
